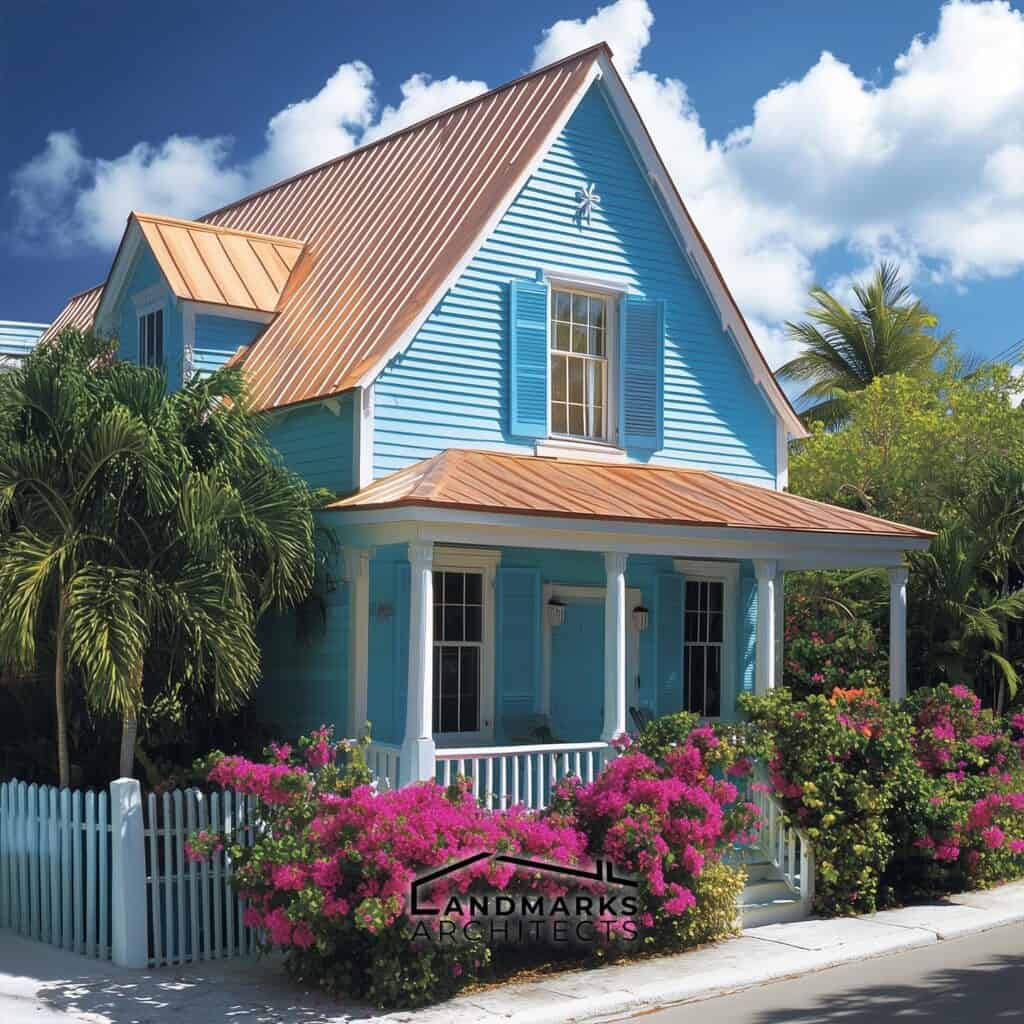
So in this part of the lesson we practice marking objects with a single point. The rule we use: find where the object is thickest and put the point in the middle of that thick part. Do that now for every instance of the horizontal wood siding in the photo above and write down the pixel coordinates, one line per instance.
(450, 388)
(217, 337)
(316, 440)
(145, 274)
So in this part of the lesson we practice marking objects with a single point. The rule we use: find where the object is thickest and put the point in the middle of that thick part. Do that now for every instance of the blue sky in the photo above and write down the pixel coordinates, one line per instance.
(854, 159)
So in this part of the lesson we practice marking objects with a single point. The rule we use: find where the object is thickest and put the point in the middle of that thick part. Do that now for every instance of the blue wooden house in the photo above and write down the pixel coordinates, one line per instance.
(559, 457)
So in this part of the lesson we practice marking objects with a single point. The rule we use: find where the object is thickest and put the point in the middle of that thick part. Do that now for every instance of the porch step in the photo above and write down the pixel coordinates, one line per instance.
(768, 900)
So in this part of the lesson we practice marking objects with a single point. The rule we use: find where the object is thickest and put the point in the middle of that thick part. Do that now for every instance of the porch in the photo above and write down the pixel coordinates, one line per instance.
(511, 615)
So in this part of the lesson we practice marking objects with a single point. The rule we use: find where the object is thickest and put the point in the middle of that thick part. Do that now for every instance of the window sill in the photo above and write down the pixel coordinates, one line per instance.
(577, 448)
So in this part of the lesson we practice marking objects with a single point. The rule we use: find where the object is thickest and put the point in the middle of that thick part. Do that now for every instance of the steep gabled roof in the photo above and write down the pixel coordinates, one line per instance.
(629, 492)
(389, 227)
(79, 311)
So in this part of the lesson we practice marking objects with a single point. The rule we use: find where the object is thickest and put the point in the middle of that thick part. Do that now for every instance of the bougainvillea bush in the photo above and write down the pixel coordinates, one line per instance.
(899, 803)
(825, 648)
(974, 830)
(329, 877)
(843, 768)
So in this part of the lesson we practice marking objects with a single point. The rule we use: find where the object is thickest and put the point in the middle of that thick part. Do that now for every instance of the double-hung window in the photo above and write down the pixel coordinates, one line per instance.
(458, 651)
(704, 619)
(580, 330)
(151, 338)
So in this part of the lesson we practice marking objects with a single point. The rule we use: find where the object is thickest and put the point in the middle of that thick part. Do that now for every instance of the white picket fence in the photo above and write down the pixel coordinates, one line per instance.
(55, 867)
(106, 876)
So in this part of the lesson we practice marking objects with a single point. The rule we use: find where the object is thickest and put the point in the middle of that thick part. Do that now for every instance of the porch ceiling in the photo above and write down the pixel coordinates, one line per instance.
(492, 482)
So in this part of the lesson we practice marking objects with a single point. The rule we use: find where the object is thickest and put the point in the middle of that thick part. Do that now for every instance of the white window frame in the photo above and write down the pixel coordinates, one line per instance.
(486, 563)
(151, 300)
(569, 594)
(613, 294)
(728, 574)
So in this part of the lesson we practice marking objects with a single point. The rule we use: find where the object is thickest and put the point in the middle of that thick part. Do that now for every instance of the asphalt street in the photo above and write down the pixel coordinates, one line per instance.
(978, 979)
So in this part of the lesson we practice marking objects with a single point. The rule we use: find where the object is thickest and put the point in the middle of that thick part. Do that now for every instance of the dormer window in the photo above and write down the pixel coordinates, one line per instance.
(580, 328)
(151, 338)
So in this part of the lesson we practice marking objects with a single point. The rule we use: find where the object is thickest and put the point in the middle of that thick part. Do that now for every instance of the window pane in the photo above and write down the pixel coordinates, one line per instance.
(558, 374)
(473, 624)
(713, 689)
(695, 679)
(437, 689)
(438, 587)
(453, 588)
(559, 422)
(576, 380)
(692, 590)
(576, 419)
(453, 622)
(715, 596)
(562, 337)
(449, 672)
(158, 330)
(474, 588)
(715, 627)
(561, 305)
(597, 312)
(690, 632)
(595, 342)
(579, 309)
(579, 339)
(438, 624)
(469, 694)
(595, 382)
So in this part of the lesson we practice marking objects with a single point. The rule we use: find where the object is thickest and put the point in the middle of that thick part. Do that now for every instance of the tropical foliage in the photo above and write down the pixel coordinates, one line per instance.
(144, 533)
(845, 349)
(329, 877)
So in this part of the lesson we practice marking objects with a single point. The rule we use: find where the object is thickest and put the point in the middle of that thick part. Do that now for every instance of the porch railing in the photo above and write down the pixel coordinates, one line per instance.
(384, 762)
(504, 776)
(786, 846)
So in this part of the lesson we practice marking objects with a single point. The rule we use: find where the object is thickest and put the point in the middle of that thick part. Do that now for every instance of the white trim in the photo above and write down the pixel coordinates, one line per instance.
(188, 341)
(357, 574)
(781, 455)
(766, 570)
(117, 281)
(661, 183)
(579, 448)
(596, 594)
(584, 285)
(362, 440)
(898, 633)
(406, 337)
(728, 574)
(579, 280)
(256, 316)
(796, 550)
(486, 563)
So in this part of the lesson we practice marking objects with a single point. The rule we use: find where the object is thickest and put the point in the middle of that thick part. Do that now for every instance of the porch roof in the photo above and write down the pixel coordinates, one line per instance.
(623, 492)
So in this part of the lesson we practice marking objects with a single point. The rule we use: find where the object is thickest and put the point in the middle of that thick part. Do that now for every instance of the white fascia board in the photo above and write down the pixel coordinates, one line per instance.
(694, 247)
(256, 316)
(124, 261)
(792, 549)
(407, 336)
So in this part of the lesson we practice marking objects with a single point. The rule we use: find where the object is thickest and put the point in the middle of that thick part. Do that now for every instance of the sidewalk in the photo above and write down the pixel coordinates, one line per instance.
(40, 984)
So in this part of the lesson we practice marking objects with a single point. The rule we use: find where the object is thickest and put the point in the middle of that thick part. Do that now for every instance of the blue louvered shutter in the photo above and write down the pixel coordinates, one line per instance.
(669, 639)
(641, 373)
(748, 632)
(528, 359)
(517, 647)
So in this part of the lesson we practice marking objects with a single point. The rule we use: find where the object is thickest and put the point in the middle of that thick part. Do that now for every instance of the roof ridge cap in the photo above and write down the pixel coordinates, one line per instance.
(408, 128)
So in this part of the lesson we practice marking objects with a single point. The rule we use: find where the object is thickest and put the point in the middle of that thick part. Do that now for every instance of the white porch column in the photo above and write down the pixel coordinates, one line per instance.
(897, 634)
(417, 763)
(614, 645)
(357, 574)
(764, 676)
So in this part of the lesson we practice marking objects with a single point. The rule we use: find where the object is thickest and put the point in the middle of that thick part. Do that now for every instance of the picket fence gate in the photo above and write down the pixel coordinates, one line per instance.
(106, 876)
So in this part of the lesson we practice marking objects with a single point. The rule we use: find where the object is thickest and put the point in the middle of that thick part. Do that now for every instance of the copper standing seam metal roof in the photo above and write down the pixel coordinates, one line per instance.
(531, 485)
(384, 226)
(79, 311)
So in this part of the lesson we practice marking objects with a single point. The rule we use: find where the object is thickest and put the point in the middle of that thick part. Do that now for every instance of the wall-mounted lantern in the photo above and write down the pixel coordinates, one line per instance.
(641, 618)
(556, 611)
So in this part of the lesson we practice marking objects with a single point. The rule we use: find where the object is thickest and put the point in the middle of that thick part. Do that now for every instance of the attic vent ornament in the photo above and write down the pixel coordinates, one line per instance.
(587, 200)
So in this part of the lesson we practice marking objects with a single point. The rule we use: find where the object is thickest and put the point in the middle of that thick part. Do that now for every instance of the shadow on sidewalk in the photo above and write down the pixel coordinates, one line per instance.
(991, 990)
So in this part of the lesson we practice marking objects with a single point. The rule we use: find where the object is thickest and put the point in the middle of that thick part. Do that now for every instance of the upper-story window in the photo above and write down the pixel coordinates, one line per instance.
(580, 329)
(151, 338)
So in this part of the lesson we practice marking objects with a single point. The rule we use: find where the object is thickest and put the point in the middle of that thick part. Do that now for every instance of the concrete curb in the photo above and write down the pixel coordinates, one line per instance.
(757, 957)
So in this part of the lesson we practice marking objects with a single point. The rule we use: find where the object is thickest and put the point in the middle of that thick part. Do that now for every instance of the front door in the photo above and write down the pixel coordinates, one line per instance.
(577, 673)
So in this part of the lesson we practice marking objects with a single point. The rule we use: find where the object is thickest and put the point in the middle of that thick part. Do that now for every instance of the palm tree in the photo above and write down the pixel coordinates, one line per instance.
(62, 447)
(185, 529)
(845, 349)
